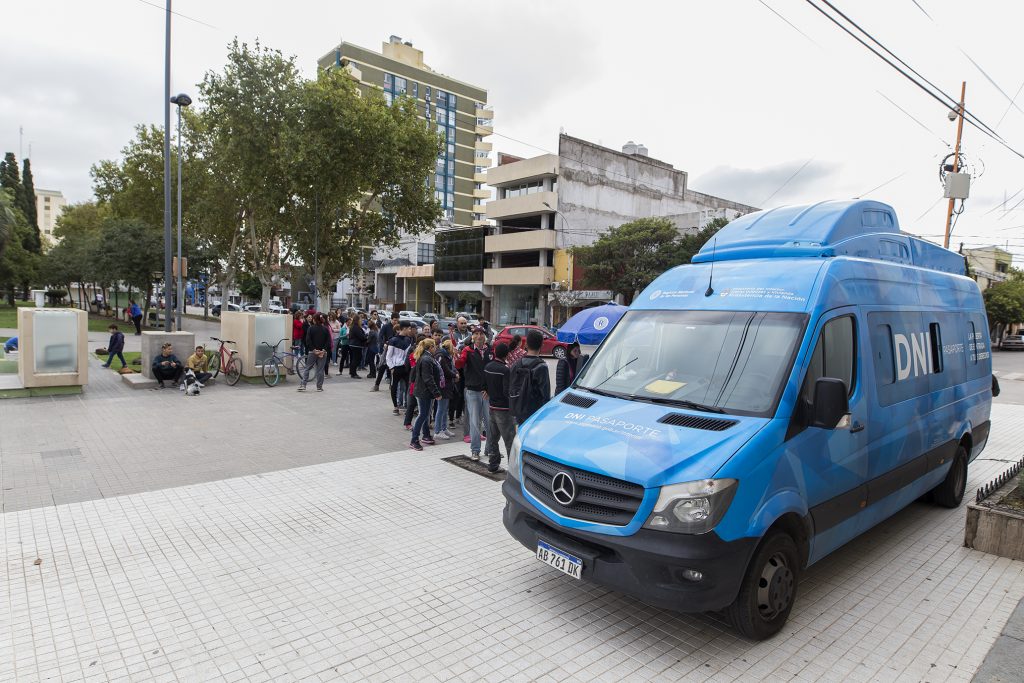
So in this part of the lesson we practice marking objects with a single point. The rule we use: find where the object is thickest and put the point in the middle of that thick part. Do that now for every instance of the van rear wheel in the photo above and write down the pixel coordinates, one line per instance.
(768, 591)
(950, 492)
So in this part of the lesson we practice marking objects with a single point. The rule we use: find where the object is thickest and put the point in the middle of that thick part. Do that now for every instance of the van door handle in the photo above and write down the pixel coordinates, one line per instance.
(856, 427)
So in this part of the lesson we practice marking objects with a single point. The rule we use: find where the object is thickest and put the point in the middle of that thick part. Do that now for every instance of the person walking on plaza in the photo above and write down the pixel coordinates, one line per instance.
(199, 364)
(335, 326)
(394, 358)
(471, 363)
(531, 385)
(342, 343)
(372, 349)
(569, 367)
(356, 344)
(115, 347)
(136, 314)
(318, 350)
(166, 366)
(428, 389)
(446, 362)
(502, 424)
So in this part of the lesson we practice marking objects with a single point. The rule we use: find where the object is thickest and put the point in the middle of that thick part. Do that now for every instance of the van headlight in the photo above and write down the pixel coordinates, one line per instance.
(694, 507)
(513, 458)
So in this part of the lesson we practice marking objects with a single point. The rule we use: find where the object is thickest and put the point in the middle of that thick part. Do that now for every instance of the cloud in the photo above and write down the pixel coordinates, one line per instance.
(769, 186)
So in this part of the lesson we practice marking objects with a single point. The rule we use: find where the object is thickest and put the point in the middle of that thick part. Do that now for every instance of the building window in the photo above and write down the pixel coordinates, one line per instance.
(460, 255)
(424, 253)
(400, 85)
(416, 90)
(389, 81)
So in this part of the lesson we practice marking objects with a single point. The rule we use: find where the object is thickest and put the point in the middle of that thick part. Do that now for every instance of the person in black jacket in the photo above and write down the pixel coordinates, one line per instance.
(356, 344)
(317, 340)
(427, 378)
(502, 424)
(534, 391)
(115, 347)
(569, 367)
(471, 363)
(166, 366)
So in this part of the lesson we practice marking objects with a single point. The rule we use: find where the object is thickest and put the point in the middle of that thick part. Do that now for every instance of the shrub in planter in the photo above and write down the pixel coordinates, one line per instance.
(101, 352)
(126, 371)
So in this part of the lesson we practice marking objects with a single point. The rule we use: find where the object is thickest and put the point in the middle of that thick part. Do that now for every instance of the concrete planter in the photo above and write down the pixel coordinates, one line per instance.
(994, 525)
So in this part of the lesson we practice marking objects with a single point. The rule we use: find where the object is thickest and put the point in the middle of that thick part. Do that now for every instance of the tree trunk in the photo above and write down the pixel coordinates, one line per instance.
(265, 297)
(145, 310)
(10, 294)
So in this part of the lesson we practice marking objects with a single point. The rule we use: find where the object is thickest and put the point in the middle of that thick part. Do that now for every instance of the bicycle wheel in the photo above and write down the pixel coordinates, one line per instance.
(300, 366)
(271, 373)
(215, 364)
(233, 371)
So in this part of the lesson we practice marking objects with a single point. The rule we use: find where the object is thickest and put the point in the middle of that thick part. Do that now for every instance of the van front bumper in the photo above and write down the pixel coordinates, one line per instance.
(648, 565)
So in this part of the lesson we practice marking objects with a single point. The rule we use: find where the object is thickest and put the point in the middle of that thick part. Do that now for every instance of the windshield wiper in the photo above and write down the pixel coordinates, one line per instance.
(599, 392)
(679, 403)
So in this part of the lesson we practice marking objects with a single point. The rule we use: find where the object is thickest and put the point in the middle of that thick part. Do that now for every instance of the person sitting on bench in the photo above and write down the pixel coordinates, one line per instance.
(199, 364)
(166, 366)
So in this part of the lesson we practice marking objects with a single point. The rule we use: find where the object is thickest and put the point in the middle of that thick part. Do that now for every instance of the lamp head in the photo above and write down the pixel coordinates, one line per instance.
(181, 99)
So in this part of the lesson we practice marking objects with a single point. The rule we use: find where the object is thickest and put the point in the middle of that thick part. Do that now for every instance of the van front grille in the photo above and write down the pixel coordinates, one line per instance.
(598, 498)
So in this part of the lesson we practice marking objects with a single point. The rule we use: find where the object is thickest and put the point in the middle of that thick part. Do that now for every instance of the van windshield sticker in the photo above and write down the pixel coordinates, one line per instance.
(664, 386)
(770, 293)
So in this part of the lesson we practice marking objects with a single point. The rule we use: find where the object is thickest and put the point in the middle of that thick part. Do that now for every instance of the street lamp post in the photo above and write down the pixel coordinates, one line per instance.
(181, 100)
(565, 223)
(167, 170)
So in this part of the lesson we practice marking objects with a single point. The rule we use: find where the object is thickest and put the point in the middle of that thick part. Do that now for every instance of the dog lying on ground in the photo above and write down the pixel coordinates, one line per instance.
(190, 383)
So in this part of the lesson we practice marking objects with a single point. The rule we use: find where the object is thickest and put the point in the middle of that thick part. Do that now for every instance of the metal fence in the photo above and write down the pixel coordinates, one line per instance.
(989, 488)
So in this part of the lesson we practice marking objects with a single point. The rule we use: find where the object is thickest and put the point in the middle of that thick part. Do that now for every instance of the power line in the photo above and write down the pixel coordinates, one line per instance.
(994, 84)
(791, 24)
(914, 119)
(178, 14)
(779, 189)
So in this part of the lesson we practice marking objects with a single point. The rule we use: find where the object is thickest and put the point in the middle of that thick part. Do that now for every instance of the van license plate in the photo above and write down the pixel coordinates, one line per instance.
(560, 560)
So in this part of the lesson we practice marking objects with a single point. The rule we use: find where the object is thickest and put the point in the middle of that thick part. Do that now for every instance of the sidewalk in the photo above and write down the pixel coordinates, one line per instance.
(397, 567)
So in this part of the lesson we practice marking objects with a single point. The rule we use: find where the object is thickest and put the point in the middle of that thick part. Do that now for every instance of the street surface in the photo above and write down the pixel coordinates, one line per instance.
(262, 534)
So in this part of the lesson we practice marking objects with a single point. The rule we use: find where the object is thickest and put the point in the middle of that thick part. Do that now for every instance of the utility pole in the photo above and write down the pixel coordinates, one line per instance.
(168, 317)
(956, 159)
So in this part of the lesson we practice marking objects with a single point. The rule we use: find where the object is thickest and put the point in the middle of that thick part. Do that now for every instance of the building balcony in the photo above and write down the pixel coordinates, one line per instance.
(484, 146)
(482, 194)
(484, 130)
(535, 275)
(528, 240)
(525, 205)
(484, 113)
(546, 165)
(479, 177)
(479, 208)
(482, 161)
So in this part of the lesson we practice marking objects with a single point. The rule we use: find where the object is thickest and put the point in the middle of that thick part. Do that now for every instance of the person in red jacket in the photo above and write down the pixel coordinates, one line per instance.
(297, 332)
(471, 362)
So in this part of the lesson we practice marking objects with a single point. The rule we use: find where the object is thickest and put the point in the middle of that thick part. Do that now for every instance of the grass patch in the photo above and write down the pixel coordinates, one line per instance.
(129, 356)
(8, 367)
(9, 318)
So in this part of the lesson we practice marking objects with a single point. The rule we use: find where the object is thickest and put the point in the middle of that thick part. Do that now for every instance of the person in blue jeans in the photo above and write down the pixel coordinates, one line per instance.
(115, 347)
(471, 363)
(426, 377)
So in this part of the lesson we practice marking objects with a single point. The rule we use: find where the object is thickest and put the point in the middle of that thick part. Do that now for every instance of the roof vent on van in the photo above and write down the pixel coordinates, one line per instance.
(711, 424)
(578, 401)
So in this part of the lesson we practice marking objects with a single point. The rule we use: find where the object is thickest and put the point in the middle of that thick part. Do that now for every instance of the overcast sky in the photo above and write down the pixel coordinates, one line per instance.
(755, 109)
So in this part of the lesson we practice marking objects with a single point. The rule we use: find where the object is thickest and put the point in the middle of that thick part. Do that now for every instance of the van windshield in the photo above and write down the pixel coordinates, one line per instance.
(718, 361)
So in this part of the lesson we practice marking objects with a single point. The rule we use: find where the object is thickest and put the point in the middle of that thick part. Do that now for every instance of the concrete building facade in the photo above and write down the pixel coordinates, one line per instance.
(49, 204)
(460, 113)
(548, 204)
(988, 265)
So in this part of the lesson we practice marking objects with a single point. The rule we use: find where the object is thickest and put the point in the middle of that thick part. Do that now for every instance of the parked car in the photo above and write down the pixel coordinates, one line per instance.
(231, 307)
(402, 315)
(550, 347)
(430, 317)
(1012, 342)
(471, 318)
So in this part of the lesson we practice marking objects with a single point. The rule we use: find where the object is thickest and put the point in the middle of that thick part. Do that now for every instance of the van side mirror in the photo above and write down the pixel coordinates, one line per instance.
(831, 403)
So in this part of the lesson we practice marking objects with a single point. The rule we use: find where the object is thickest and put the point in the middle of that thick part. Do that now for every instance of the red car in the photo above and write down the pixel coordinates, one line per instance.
(550, 347)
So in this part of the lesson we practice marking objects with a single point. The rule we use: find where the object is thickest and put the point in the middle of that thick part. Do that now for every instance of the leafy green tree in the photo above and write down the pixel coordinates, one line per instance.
(17, 264)
(31, 209)
(1004, 303)
(73, 259)
(250, 107)
(11, 180)
(130, 250)
(358, 168)
(629, 257)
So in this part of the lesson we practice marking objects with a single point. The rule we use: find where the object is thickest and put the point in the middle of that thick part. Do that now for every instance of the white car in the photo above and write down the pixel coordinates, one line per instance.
(402, 315)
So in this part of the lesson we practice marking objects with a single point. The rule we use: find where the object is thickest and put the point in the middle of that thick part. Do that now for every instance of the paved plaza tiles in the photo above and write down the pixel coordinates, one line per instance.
(396, 566)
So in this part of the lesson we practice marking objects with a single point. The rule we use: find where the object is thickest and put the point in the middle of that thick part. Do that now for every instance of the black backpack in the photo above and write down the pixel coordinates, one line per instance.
(524, 395)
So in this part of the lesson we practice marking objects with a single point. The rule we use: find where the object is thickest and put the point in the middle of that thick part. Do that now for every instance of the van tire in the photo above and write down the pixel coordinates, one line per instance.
(950, 492)
(769, 588)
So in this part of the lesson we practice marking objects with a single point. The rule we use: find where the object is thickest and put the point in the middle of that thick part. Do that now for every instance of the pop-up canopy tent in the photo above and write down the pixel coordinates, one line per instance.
(590, 326)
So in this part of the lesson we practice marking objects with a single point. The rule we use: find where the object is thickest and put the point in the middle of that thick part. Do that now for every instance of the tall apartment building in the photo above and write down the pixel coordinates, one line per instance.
(548, 204)
(49, 204)
(460, 113)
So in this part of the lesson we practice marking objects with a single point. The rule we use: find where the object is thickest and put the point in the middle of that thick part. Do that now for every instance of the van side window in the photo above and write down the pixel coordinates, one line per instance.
(936, 340)
(885, 363)
(835, 355)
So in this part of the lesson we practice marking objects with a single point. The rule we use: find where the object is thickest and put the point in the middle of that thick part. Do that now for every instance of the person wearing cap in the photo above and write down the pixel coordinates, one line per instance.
(569, 367)
(471, 362)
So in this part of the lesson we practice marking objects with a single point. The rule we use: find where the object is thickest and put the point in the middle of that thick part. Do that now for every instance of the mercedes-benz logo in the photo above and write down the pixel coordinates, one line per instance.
(563, 488)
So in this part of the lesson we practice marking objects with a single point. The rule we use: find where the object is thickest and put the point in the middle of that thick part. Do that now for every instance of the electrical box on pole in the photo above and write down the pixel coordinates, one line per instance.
(956, 186)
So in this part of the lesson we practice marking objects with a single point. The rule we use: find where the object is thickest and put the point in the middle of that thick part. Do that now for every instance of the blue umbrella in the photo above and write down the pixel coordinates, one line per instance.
(591, 325)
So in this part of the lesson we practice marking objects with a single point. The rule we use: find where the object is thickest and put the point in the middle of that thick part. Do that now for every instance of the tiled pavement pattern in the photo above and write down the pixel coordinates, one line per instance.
(396, 567)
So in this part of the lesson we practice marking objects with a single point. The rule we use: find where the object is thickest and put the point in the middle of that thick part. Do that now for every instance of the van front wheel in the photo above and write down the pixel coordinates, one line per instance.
(950, 492)
(768, 590)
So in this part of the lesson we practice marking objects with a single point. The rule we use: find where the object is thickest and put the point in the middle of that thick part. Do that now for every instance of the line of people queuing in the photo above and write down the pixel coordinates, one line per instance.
(438, 378)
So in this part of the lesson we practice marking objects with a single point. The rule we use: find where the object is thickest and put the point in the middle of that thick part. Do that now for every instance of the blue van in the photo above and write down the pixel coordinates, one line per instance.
(812, 372)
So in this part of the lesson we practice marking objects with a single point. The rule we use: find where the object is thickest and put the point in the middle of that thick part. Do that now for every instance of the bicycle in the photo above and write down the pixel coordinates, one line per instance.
(272, 366)
(226, 359)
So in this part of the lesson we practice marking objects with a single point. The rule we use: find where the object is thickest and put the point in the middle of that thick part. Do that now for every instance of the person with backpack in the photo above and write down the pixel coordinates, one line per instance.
(502, 424)
(427, 376)
(471, 362)
(389, 330)
(394, 357)
(569, 367)
(531, 385)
